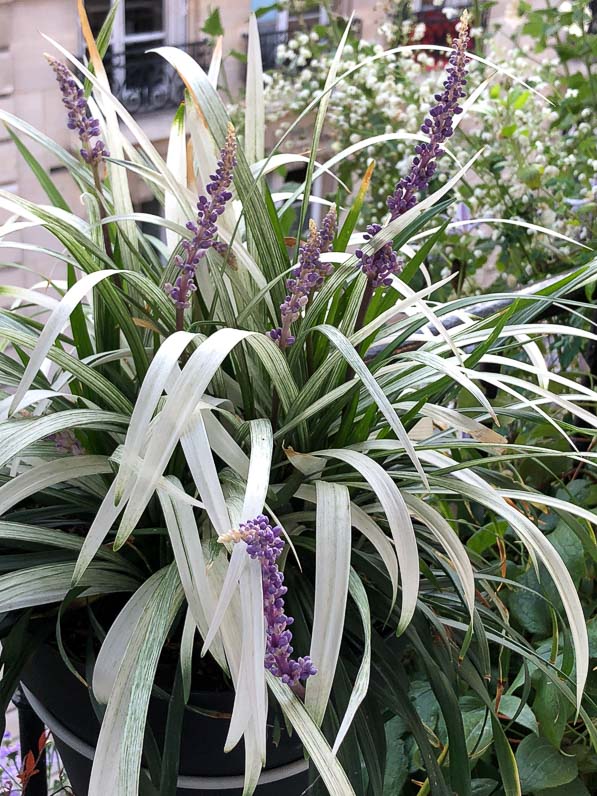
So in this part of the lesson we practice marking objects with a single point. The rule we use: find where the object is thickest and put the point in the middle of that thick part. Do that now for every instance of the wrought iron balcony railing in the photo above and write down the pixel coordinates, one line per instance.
(271, 39)
(144, 82)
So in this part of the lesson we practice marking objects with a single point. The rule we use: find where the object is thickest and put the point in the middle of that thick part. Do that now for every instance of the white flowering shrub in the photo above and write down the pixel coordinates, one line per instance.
(539, 162)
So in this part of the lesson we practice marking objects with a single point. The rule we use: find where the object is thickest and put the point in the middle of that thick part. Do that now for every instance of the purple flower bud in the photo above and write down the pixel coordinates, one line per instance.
(79, 117)
(264, 544)
(308, 275)
(205, 230)
(379, 267)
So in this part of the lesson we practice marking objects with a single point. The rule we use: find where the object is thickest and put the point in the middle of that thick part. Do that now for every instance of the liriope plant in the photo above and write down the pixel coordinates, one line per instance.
(259, 434)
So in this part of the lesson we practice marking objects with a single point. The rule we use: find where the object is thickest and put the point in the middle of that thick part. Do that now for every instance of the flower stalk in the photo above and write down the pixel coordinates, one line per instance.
(88, 128)
(210, 207)
(307, 277)
(380, 266)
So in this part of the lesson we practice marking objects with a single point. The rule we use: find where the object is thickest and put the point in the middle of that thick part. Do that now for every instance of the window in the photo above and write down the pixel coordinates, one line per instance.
(144, 82)
(277, 27)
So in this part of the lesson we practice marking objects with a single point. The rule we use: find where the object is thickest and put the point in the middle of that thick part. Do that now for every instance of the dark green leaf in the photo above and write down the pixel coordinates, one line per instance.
(574, 788)
(542, 766)
(213, 24)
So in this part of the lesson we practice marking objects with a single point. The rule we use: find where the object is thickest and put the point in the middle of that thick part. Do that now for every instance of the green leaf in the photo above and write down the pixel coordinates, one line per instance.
(173, 737)
(541, 765)
(592, 631)
(213, 24)
(510, 707)
(478, 730)
(574, 788)
(352, 217)
(484, 787)
(508, 131)
(396, 773)
(40, 173)
(415, 262)
(552, 710)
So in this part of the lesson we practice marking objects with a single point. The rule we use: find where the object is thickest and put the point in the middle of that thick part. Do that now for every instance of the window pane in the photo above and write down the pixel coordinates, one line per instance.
(97, 11)
(143, 17)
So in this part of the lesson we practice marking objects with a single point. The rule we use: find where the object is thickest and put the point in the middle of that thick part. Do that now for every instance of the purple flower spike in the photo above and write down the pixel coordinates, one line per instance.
(308, 276)
(438, 126)
(264, 543)
(380, 266)
(79, 117)
(204, 229)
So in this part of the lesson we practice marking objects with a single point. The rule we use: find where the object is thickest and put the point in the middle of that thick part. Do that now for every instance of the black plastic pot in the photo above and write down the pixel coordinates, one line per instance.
(62, 702)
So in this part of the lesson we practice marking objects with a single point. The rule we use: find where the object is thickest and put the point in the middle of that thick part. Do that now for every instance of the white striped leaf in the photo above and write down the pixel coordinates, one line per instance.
(198, 454)
(375, 391)
(313, 739)
(332, 570)
(361, 684)
(54, 326)
(186, 392)
(236, 566)
(399, 521)
(259, 468)
(370, 530)
(41, 476)
(446, 536)
(154, 384)
(476, 488)
(117, 760)
(176, 159)
(254, 101)
(50, 583)
(190, 561)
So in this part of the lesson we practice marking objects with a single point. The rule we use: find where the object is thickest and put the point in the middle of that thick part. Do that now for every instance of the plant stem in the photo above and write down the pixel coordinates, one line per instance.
(365, 301)
(282, 344)
(425, 787)
(102, 212)
(350, 408)
(299, 691)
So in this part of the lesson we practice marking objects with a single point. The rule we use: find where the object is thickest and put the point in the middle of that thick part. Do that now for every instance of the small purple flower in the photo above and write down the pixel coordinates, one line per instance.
(264, 543)
(9, 749)
(205, 230)
(438, 126)
(380, 266)
(308, 276)
(66, 442)
(79, 117)
(462, 212)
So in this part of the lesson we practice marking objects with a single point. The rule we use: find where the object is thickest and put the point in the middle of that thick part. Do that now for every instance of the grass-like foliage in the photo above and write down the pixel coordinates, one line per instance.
(164, 402)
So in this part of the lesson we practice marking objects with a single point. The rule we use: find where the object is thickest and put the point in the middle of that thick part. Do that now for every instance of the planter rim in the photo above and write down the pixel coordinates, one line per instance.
(183, 782)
